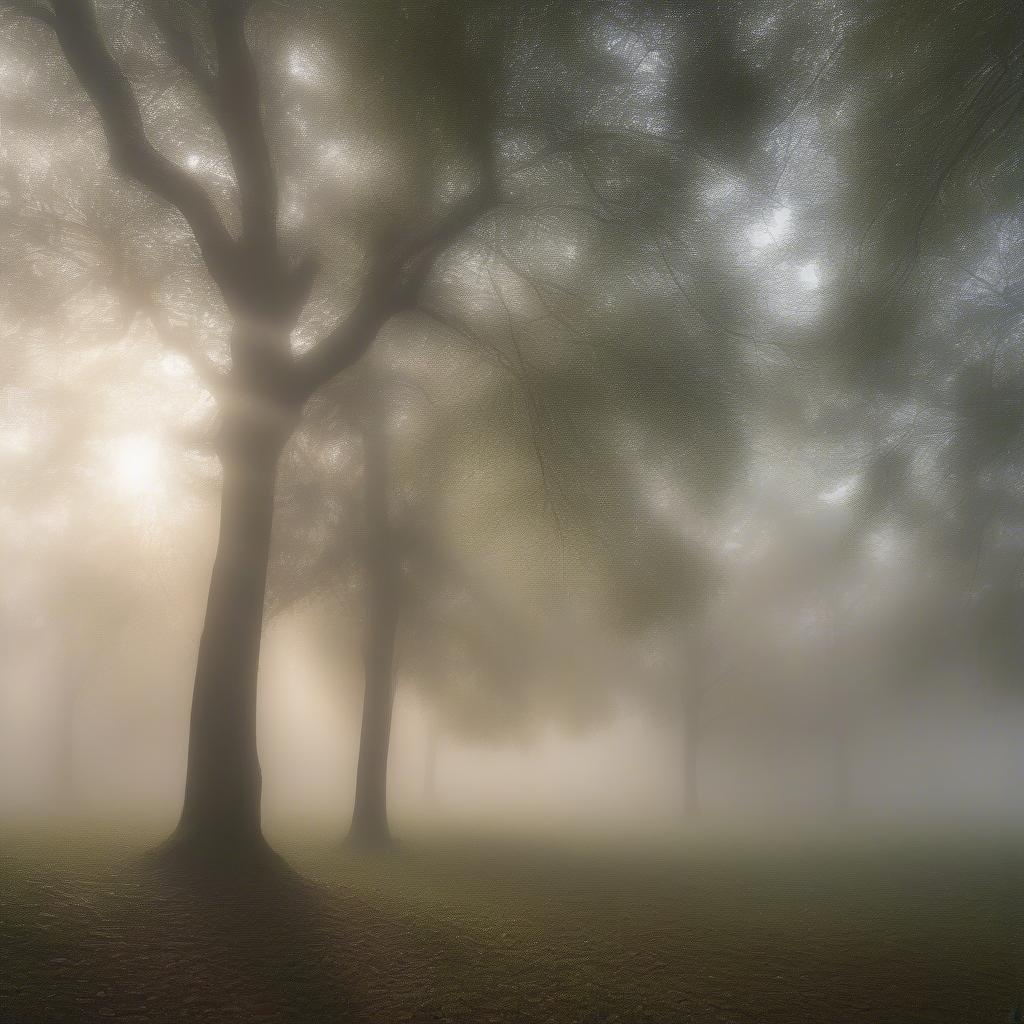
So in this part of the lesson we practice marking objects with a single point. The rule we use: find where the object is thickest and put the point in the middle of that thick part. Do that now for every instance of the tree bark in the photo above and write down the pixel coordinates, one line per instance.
(223, 785)
(369, 813)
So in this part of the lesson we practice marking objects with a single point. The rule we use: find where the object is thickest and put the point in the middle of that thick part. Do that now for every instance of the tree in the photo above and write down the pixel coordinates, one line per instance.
(931, 152)
(499, 159)
(261, 395)
(449, 629)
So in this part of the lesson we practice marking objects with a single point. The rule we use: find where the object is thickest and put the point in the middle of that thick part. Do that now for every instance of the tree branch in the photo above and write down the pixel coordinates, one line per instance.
(182, 48)
(233, 97)
(496, 357)
(31, 9)
(240, 118)
(215, 380)
(393, 284)
(349, 341)
(422, 248)
(131, 152)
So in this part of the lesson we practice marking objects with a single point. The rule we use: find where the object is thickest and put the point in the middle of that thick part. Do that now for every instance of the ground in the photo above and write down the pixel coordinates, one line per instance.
(476, 931)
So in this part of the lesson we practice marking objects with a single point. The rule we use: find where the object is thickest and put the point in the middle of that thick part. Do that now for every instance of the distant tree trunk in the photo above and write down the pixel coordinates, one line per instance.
(370, 814)
(64, 753)
(838, 667)
(221, 812)
(430, 766)
(841, 786)
(691, 759)
(1016, 773)
(840, 712)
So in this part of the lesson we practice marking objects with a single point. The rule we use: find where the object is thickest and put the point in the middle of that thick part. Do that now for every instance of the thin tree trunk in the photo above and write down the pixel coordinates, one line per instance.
(839, 711)
(430, 765)
(369, 814)
(64, 754)
(842, 795)
(221, 812)
(691, 760)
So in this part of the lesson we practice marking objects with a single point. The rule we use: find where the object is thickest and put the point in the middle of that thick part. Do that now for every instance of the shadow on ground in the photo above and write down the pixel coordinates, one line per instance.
(431, 935)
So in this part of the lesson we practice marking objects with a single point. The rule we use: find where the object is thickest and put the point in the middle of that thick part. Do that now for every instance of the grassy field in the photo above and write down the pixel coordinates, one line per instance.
(476, 931)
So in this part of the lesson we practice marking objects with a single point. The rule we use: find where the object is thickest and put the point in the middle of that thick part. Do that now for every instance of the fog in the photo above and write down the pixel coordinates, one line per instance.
(110, 547)
(597, 422)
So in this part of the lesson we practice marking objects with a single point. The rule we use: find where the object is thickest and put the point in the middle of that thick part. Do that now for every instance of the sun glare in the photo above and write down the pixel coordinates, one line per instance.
(301, 66)
(838, 494)
(137, 465)
(810, 276)
(772, 230)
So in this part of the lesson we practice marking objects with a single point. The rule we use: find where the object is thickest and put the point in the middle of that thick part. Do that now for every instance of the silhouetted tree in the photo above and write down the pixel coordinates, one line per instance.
(261, 395)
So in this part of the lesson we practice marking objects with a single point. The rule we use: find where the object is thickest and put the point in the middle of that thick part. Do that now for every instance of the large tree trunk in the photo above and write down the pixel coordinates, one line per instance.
(220, 818)
(370, 814)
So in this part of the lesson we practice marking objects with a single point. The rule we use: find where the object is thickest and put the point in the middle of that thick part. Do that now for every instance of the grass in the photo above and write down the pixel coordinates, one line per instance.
(475, 931)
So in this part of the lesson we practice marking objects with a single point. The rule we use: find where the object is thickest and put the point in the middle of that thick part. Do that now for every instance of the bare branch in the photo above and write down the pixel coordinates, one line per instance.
(31, 9)
(212, 377)
(427, 244)
(233, 97)
(393, 285)
(182, 48)
(483, 347)
(131, 152)
(238, 111)
(353, 336)
(399, 271)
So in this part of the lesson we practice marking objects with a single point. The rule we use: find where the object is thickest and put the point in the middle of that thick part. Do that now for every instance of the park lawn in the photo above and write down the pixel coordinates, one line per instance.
(473, 930)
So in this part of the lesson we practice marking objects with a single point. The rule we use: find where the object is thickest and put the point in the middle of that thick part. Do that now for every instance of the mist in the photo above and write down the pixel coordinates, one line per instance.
(468, 470)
